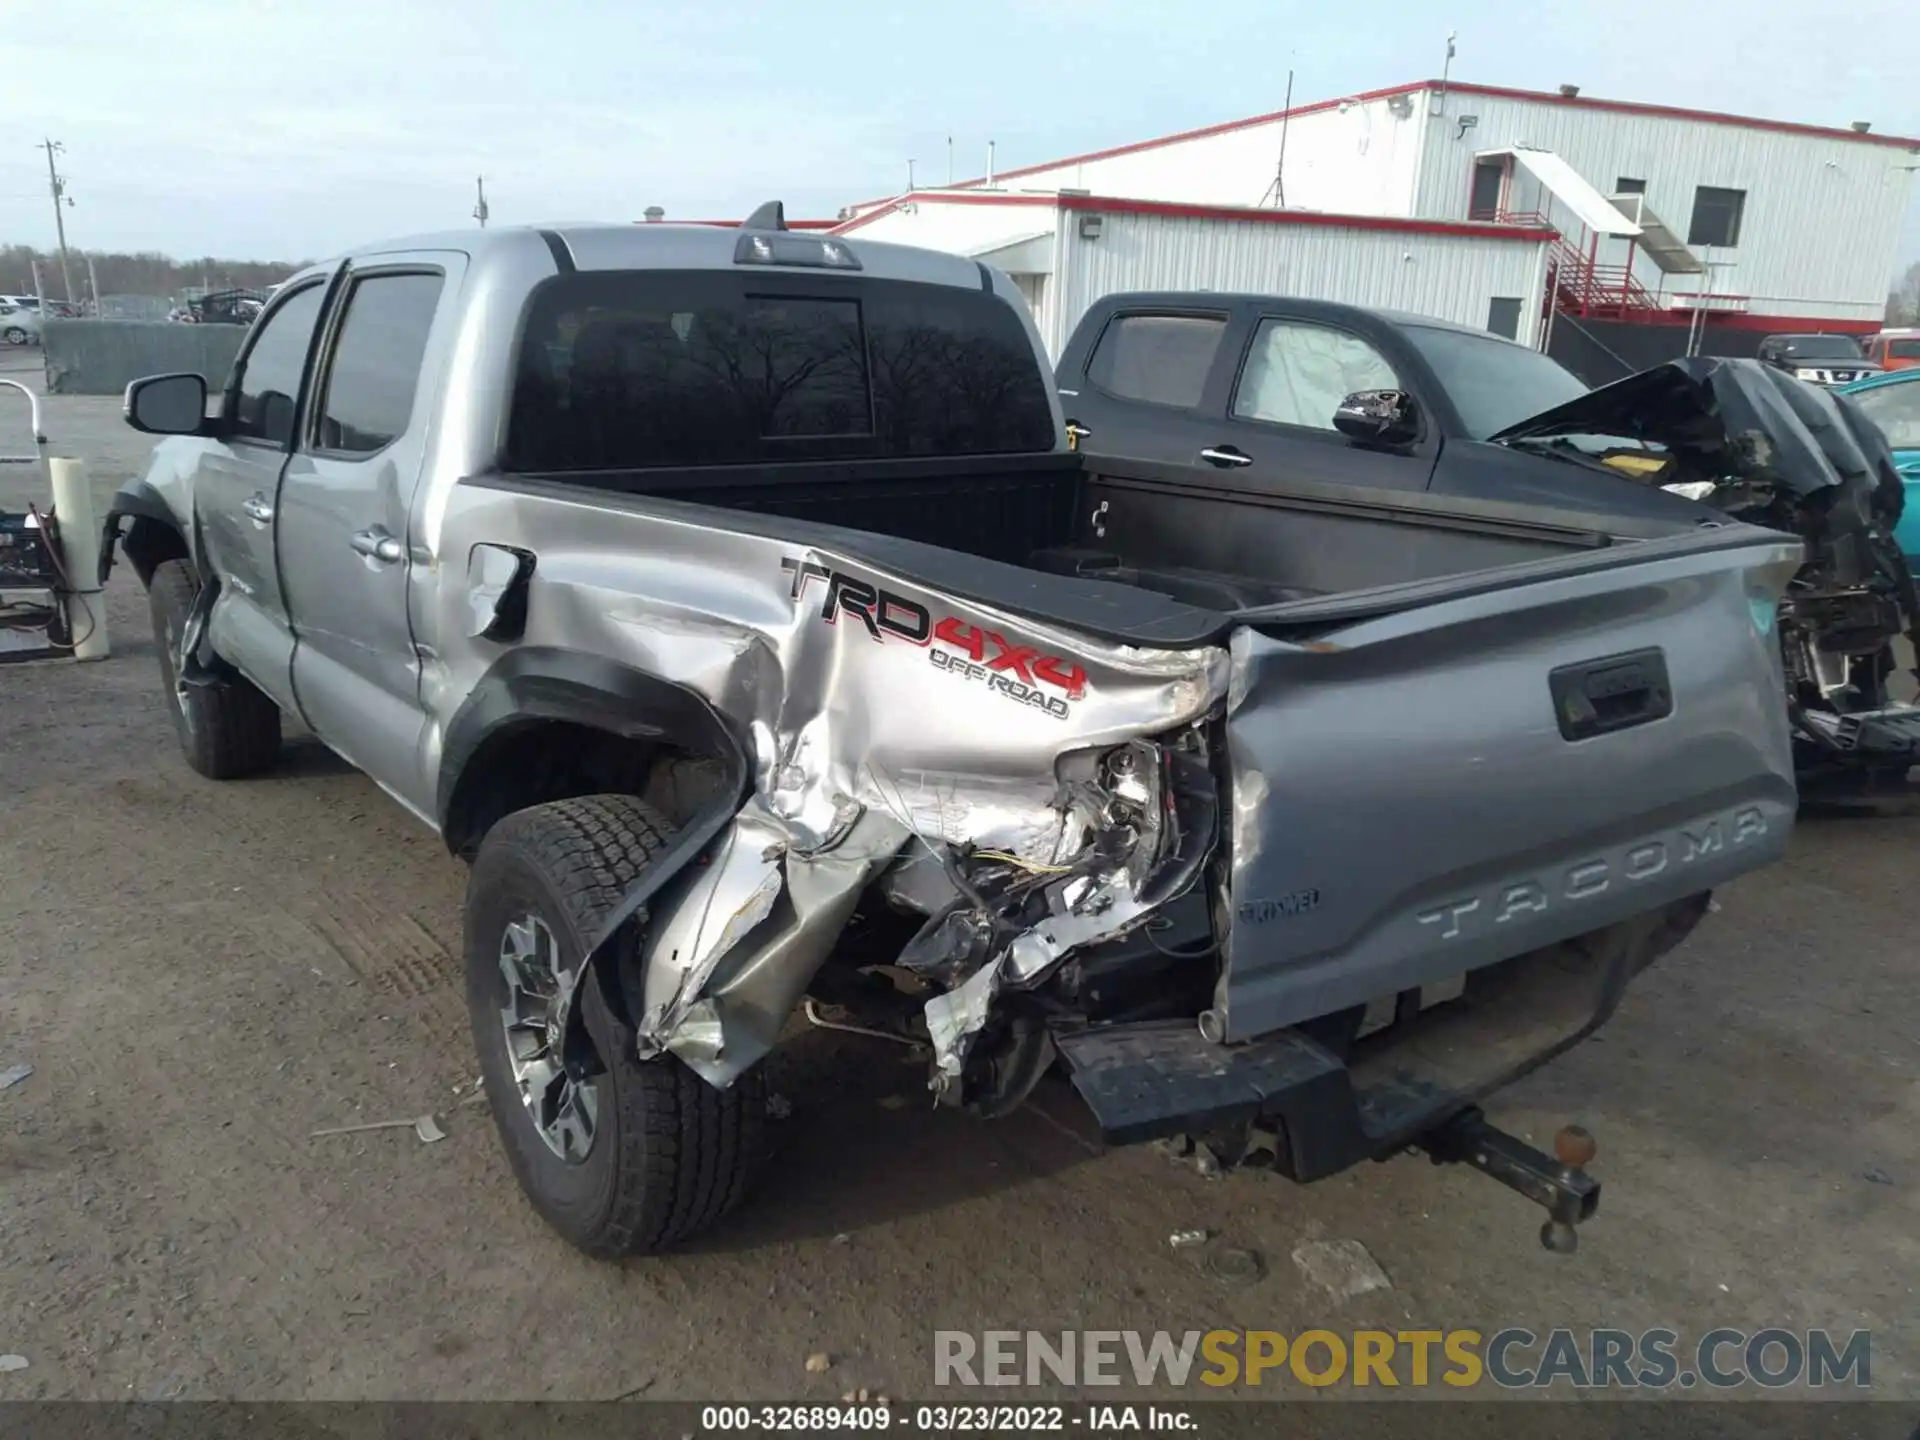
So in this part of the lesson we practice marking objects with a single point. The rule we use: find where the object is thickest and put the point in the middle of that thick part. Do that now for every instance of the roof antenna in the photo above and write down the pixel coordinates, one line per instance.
(770, 216)
(480, 205)
(1278, 189)
(949, 162)
(1440, 100)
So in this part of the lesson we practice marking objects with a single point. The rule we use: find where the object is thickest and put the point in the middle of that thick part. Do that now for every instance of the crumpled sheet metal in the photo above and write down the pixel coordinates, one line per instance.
(1742, 414)
(911, 715)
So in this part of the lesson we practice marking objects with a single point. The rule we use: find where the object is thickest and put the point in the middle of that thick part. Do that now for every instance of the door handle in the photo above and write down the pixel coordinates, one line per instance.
(376, 542)
(257, 508)
(1618, 692)
(1225, 455)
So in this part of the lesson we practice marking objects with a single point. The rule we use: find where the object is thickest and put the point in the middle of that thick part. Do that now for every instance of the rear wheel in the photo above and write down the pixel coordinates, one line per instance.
(620, 1155)
(226, 730)
(15, 335)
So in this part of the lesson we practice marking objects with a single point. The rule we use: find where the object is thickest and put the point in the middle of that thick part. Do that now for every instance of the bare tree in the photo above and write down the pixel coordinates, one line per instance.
(1903, 303)
(146, 273)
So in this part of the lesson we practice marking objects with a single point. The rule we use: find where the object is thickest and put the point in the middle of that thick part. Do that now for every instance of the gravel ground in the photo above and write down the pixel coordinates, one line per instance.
(203, 974)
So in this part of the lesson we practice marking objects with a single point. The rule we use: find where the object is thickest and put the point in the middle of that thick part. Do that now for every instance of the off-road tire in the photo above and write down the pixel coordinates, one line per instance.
(227, 730)
(670, 1154)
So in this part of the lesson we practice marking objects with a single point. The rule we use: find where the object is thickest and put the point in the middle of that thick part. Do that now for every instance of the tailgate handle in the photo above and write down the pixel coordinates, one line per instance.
(1616, 692)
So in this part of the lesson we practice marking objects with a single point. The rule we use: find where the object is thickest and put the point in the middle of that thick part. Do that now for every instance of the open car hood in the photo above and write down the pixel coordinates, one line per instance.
(1736, 419)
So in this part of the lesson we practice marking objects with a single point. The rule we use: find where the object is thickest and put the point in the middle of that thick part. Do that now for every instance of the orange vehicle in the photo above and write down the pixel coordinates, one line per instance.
(1895, 349)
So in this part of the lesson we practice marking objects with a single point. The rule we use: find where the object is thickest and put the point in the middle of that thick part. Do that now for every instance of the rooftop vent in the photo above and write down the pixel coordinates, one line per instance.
(654, 214)
(1569, 91)
(1861, 127)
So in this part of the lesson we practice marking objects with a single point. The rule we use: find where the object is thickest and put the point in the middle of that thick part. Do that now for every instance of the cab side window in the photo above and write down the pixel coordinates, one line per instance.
(374, 370)
(1298, 373)
(269, 380)
(1161, 359)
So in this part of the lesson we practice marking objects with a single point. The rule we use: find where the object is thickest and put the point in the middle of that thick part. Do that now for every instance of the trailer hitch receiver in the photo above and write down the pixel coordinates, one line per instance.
(1558, 1183)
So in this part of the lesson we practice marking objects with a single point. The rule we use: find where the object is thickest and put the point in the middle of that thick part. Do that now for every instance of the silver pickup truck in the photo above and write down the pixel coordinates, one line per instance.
(730, 600)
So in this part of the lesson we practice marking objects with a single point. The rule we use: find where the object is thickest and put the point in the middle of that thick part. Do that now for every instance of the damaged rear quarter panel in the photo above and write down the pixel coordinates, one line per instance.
(877, 709)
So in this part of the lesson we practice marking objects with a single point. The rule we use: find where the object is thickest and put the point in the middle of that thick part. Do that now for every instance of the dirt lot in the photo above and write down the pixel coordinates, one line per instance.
(203, 974)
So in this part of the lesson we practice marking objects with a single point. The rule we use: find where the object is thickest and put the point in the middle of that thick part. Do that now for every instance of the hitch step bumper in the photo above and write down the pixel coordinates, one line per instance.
(1557, 1183)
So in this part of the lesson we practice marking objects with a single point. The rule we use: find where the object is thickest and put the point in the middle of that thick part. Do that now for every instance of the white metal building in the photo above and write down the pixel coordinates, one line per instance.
(1661, 212)
(1066, 251)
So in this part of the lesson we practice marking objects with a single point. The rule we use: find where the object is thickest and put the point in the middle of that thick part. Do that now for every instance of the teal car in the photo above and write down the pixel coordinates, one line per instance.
(1892, 401)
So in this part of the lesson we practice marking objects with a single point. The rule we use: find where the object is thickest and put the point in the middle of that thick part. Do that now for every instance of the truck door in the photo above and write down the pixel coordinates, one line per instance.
(1279, 418)
(345, 551)
(234, 485)
(1143, 389)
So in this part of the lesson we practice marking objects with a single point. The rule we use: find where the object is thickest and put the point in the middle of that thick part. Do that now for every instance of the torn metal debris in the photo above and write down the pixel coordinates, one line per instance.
(425, 1127)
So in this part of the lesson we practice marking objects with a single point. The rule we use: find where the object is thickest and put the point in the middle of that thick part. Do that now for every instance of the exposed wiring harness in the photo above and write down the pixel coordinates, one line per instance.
(1160, 922)
(1032, 867)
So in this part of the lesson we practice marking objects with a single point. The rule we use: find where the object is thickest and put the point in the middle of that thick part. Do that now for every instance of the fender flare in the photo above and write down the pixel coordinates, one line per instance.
(139, 501)
(531, 684)
(535, 683)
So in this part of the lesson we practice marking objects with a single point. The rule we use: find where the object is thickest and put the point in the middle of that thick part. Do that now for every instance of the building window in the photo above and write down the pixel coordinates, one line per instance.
(1716, 216)
(1627, 185)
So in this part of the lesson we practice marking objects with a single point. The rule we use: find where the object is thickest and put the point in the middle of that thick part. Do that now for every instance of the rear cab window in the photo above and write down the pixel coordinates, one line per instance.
(1158, 359)
(624, 370)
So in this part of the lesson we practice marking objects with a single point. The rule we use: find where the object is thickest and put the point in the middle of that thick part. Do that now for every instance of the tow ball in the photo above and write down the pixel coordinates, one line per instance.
(1558, 1183)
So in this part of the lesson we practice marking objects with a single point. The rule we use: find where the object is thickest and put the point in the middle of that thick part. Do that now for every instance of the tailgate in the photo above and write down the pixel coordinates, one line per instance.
(1420, 793)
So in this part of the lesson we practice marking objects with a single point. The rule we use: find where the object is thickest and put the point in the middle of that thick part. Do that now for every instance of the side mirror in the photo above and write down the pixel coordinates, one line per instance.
(167, 405)
(1378, 417)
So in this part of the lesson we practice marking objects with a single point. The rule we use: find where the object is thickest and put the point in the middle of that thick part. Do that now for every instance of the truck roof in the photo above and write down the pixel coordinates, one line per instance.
(641, 245)
(1324, 309)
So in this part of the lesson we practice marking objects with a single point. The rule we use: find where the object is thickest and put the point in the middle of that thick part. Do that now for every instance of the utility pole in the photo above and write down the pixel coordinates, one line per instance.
(480, 204)
(58, 186)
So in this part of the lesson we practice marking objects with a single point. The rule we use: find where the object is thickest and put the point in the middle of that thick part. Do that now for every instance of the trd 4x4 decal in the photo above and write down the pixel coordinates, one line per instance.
(1016, 671)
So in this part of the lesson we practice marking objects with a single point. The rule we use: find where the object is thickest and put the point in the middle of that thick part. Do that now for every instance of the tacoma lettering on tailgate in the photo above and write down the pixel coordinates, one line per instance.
(1587, 879)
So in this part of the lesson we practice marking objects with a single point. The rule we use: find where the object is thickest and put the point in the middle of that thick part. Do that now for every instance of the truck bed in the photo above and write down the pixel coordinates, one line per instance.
(1456, 732)
(1203, 550)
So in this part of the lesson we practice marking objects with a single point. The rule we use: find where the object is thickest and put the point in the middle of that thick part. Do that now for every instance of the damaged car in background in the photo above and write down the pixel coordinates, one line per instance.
(732, 602)
(1271, 394)
(1761, 446)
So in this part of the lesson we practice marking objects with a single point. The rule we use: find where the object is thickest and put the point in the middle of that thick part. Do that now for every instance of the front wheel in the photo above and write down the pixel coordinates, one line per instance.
(16, 336)
(226, 730)
(621, 1156)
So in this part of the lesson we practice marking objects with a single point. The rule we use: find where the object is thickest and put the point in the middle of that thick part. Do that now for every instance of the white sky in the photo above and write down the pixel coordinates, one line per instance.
(278, 131)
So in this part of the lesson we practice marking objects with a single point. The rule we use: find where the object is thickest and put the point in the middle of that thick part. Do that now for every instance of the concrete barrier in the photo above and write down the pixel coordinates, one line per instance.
(99, 357)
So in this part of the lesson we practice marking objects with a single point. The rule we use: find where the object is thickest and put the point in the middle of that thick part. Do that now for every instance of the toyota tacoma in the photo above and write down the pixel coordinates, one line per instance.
(733, 603)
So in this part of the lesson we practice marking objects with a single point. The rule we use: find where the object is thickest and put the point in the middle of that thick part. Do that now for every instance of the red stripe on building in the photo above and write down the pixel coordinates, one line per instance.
(1626, 107)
